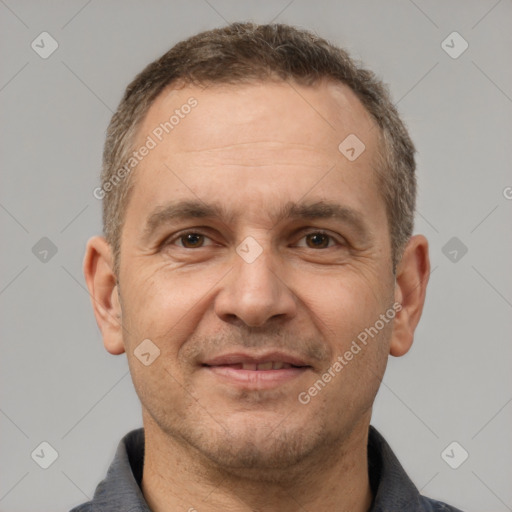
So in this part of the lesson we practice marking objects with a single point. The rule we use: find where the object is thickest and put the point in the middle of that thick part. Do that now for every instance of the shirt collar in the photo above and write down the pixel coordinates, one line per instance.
(391, 487)
(121, 488)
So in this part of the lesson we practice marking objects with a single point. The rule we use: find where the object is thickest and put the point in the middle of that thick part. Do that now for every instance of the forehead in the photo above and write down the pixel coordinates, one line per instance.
(319, 116)
(274, 141)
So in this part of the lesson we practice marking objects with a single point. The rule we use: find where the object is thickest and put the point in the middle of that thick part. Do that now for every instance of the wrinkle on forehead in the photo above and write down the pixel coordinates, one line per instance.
(269, 112)
(288, 134)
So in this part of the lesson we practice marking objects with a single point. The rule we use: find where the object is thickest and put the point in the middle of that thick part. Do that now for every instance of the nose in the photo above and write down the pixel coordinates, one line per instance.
(255, 293)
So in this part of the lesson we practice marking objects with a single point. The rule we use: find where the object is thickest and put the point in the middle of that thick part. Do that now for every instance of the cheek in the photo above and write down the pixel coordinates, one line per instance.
(164, 306)
(168, 304)
(341, 305)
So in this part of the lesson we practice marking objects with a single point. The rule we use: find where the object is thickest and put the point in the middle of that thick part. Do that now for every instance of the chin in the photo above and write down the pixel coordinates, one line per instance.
(257, 449)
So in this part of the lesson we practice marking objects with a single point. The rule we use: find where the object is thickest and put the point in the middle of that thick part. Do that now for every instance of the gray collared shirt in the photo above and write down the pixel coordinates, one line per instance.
(392, 489)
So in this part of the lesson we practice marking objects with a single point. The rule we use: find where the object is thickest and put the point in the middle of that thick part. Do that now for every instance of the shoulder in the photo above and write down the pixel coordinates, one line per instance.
(85, 507)
(430, 505)
(391, 486)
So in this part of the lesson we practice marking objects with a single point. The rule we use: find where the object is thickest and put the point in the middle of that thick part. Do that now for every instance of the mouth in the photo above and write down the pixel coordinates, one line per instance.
(258, 367)
(256, 372)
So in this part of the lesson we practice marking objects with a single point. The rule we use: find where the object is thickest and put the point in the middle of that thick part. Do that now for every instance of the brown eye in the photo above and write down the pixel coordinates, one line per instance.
(318, 240)
(192, 240)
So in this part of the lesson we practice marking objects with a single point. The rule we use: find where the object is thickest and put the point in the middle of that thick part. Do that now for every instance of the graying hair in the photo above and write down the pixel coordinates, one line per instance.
(245, 53)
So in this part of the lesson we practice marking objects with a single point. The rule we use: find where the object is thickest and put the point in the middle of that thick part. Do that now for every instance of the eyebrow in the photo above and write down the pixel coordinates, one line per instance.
(195, 209)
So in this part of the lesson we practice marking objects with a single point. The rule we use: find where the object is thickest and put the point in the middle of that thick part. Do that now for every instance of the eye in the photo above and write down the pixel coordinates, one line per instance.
(189, 240)
(318, 240)
(196, 240)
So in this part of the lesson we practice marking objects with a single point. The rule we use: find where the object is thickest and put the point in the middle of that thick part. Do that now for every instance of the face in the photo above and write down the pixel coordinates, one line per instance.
(253, 254)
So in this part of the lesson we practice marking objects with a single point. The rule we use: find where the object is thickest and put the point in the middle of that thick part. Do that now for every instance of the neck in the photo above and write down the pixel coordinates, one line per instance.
(177, 477)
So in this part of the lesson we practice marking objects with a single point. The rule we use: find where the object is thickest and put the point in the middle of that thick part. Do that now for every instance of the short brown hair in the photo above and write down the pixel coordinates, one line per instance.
(244, 53)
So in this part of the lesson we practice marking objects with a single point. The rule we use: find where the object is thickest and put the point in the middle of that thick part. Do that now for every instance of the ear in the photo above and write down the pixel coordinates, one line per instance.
(103, 290)
(412, 277)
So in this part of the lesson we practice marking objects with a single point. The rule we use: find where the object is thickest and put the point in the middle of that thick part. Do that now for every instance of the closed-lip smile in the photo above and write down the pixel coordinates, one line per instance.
(258, 371)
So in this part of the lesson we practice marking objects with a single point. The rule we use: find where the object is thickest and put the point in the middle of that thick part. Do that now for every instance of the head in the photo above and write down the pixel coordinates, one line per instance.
(246, 229)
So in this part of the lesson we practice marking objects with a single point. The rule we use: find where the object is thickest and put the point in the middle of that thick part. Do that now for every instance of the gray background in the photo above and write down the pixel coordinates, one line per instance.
(59, 385)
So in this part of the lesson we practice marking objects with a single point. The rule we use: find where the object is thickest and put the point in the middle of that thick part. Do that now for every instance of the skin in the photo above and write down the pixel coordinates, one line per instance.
(210, 444)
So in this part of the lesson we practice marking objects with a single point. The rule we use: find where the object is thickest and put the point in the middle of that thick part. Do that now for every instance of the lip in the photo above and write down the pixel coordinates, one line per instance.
(223, 368)
(255, 379)
(241, 357)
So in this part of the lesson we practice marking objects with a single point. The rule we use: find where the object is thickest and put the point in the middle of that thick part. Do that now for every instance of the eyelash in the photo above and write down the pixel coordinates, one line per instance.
(179, 236)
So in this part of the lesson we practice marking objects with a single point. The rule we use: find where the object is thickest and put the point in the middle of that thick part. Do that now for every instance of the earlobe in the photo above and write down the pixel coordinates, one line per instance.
(413, 274)
(102, 284)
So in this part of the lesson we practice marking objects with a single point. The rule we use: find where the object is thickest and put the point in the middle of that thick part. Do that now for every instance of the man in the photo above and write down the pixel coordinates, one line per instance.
(258, 268)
